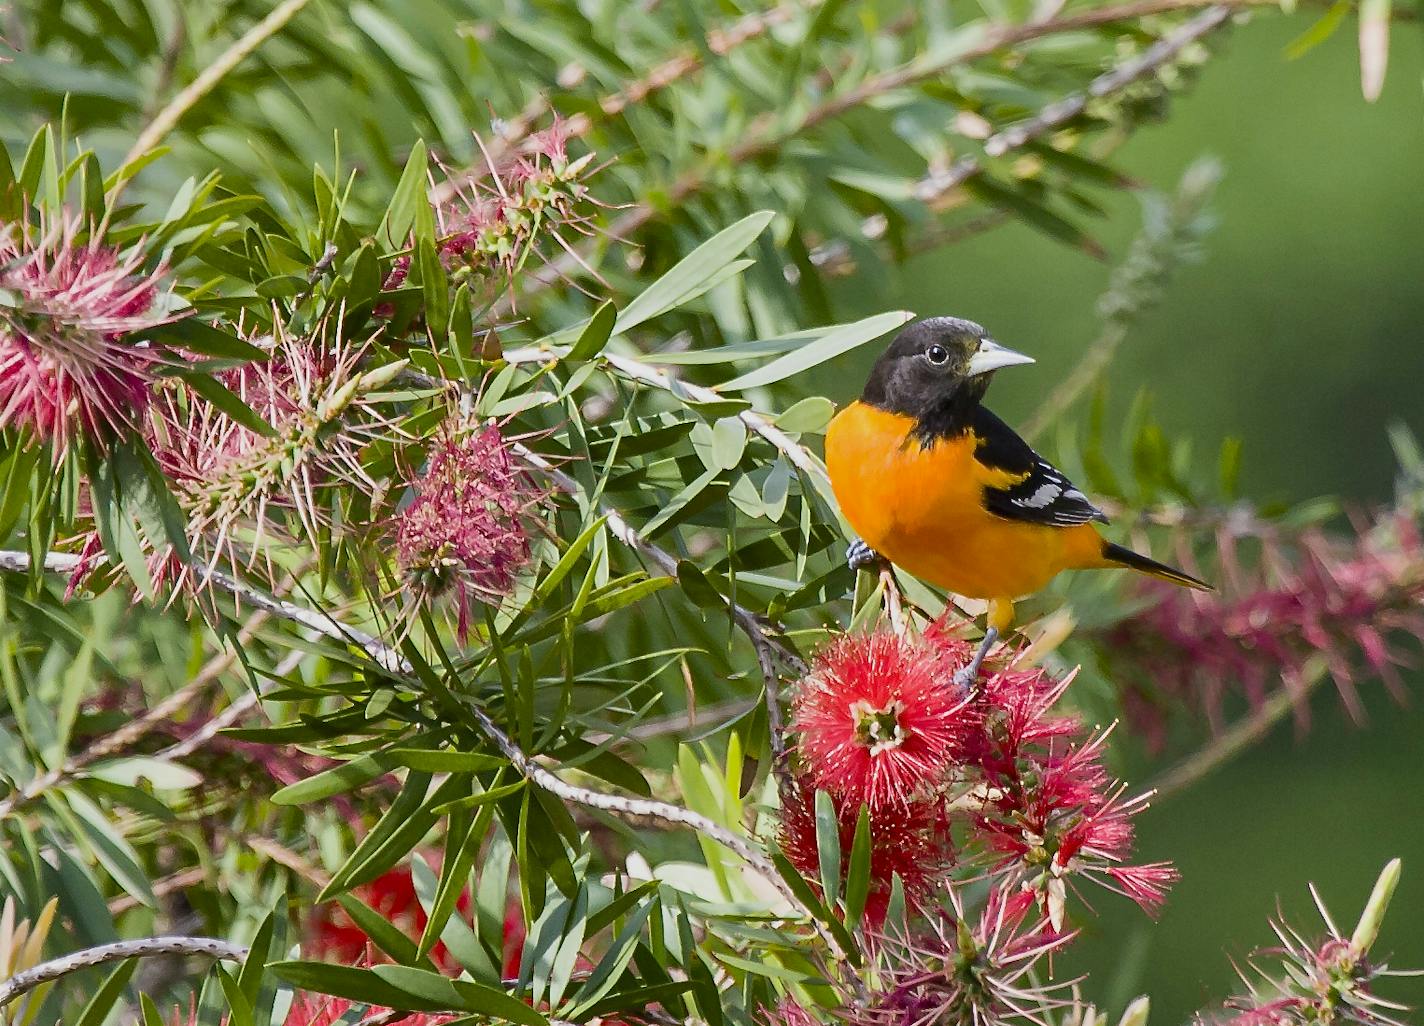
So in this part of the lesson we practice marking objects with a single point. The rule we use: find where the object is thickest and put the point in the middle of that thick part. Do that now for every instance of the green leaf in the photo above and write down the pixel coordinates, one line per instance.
(595, 334)
(197, 336)
(409, 196)
(1320, 31)
(458, 995)
(834, 343)
(353, 984)
(828, 847)
(729, 441)
(383, 933)
(215, 392)
(454, 875)
(858, 872)
(337, 780)
(693, 272)
(807, 416)
(96, 1011)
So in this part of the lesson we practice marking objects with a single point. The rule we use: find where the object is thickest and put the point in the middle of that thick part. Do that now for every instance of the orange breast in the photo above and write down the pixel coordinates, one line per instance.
(923, 509)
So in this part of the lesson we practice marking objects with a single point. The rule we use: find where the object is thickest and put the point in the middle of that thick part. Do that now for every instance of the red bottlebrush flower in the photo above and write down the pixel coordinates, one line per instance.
(1319, 597)
(980, 971)
(336, 937)
(877, 719)
(468, 530)
(1048, 810)
(66, 369)
(910, 841)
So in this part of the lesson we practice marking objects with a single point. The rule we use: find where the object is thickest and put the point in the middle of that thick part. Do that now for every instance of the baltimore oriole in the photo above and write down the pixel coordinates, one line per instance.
(936, 484)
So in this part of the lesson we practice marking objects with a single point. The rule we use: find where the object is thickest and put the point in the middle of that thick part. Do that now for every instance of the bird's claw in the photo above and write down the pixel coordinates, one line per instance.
(860, 556)
(965, 678)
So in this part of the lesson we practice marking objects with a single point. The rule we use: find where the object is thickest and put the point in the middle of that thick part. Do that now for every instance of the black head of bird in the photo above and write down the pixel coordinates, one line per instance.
(935, 366)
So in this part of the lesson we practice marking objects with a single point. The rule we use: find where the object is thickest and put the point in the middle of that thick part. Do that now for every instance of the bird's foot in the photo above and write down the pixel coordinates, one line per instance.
(861, 556)
(967, 677)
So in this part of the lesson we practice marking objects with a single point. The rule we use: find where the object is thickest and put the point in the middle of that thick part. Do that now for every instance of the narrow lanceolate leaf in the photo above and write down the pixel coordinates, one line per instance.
(858, 872)
(406, 201)
(595, 334)
(456, 995)
(215, 392)
(835, 342)
(828, 847)
(690, 275)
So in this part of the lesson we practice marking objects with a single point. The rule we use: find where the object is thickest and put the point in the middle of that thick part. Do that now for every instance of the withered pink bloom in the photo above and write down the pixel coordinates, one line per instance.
(467, 533)
(1309, 981)
(980, 970)
(67, 306)
(877, 718)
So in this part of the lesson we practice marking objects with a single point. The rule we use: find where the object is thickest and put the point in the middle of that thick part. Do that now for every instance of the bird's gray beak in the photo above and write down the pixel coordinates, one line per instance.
(990, 356)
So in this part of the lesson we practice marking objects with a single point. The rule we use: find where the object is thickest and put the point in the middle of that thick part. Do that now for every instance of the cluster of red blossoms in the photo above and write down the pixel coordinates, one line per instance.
(993, 783)
(66, 370)
(467, 531)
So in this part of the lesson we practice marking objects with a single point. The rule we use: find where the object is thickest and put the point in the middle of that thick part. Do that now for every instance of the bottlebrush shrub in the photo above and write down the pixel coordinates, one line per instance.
(408, 567)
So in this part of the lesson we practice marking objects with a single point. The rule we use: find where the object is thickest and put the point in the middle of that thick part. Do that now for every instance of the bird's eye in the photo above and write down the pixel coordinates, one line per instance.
(937, 355)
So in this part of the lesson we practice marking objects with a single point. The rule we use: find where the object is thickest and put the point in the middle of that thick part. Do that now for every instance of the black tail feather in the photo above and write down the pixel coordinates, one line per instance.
(1146, 565)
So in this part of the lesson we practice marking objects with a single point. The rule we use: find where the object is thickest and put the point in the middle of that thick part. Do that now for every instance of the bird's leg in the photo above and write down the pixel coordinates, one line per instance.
(861, 556)
(1001, 615)
(966, 677)
(893, 605)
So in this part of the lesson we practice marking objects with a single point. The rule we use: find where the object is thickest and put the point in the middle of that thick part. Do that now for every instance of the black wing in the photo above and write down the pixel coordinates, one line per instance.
(1043, 495)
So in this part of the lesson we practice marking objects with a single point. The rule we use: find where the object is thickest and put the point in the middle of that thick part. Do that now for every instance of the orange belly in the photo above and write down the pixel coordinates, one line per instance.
(923, 509)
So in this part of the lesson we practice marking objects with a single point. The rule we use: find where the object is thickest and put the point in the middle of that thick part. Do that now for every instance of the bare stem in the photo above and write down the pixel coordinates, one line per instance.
(1056, 115)
(23, 983)
(166, 119)
(1236, 739)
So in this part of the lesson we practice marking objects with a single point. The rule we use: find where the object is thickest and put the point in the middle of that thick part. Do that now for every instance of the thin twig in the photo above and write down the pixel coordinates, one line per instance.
(164, 122)
(23, 983)
(1235, 740)
(179, 881)
(1058, 114)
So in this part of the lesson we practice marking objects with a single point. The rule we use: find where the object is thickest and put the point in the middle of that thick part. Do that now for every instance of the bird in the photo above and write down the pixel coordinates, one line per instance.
(934, 483)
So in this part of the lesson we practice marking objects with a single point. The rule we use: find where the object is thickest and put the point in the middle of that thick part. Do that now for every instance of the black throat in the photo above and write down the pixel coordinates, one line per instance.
(948, 412)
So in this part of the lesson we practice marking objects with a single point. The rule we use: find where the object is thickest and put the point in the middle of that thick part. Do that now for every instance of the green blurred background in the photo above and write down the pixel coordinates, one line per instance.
(1302, 332)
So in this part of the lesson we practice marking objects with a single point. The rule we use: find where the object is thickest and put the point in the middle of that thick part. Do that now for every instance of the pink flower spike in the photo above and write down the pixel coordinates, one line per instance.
(467, 532)
(65, 370)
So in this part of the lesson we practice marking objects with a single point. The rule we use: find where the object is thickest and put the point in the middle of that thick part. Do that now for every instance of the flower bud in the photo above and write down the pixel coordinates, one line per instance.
(1367, 931)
